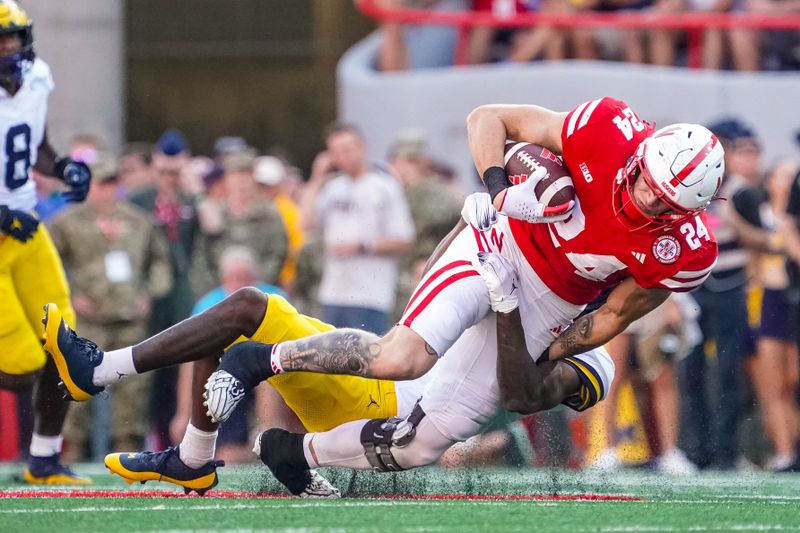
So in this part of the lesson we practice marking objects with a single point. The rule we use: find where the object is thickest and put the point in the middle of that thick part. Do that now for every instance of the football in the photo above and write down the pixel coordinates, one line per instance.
(522, 159)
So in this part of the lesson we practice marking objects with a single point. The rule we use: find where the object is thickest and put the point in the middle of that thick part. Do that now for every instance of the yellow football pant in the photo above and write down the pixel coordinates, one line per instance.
(31, 275)
(320, 401)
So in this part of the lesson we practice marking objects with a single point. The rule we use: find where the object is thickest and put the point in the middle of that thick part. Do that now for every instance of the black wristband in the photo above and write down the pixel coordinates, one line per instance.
(496, 181)
(3, 214)
(545, 356)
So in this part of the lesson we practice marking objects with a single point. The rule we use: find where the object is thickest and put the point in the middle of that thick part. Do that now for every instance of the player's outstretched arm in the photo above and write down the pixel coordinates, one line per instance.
(626, 303)
(525, 386)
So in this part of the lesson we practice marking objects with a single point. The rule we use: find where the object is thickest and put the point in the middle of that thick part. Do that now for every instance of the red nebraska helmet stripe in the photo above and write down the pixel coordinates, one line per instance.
(688, 169)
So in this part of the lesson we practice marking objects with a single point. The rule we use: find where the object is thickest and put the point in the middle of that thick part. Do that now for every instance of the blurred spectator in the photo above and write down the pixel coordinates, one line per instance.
(485, 41)
(194, 171)
(782, 48)
(172, 143)
(774, 370)
(211, 203)
(434, 208)
(656, 340)
(542, 41)
(270, 173)
(175, 214)
(656, 46)
(238, 269)
(228, 145)
(366, 224)
(134, 168)
(247, 219)
(405, 46)
(723, 308)
(117, 262)
(49, 200)
(741, 43)
(293, 184)
(310, 263)
(84, 147)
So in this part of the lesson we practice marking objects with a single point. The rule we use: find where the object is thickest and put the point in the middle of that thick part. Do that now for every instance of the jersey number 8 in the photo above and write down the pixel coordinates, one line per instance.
(18, 156)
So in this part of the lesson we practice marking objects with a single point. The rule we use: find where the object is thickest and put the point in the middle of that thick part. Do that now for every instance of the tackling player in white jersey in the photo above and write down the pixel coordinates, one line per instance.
(30, 270)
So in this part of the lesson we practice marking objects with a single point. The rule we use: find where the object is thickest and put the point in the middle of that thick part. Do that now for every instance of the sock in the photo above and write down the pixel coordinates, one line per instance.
(116, 365)
(249, 362)
(197, 447)
(312, 463)
(42, 446)
(275, 359)
(340, 446)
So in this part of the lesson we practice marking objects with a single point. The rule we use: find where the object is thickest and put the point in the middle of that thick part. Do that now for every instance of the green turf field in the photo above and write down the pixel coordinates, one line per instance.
(710, 502)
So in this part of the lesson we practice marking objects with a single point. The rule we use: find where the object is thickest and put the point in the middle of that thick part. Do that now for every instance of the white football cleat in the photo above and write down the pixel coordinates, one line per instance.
(223, 392)
(320, 488)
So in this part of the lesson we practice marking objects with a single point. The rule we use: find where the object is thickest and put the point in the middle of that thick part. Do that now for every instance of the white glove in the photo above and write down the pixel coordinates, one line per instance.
(498, 274)
(521, 202)
(478, 211)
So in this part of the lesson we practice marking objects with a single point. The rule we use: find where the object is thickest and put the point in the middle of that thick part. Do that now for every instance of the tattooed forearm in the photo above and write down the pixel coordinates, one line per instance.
(342, 351)
(575, 339)
(580, 337)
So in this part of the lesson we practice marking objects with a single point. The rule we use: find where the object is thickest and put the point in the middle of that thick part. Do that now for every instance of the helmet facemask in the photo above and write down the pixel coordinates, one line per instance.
(13, 67)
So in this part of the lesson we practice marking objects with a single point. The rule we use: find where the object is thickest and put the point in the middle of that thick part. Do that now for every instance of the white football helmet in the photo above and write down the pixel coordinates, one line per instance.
(682, 164)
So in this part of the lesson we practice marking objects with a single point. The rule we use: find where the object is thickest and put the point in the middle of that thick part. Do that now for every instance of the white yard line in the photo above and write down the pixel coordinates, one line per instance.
(670, 529)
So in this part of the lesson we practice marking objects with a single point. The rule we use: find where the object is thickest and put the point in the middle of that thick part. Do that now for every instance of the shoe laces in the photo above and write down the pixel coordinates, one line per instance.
(159, 459)
(86, 347)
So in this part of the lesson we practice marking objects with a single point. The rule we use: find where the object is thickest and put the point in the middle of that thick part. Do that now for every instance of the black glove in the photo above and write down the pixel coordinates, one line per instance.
(17, 224)
(77, 176)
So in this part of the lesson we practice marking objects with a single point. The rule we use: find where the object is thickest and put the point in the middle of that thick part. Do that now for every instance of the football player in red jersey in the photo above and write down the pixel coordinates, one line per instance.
(636, 225)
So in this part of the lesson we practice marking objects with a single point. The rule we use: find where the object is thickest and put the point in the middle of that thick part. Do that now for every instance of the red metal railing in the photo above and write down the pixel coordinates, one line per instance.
(693, 23)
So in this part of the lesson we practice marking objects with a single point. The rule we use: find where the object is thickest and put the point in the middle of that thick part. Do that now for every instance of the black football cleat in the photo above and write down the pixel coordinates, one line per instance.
(282, 452)
(75, 357)
(164, 466)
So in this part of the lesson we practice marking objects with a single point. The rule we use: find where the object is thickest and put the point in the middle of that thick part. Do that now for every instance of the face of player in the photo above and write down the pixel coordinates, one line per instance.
(10, 44)
(10, 48)
(645, 199)
(347, 152)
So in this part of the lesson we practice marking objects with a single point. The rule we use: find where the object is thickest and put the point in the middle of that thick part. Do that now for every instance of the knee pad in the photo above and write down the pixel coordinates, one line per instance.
(380, 435)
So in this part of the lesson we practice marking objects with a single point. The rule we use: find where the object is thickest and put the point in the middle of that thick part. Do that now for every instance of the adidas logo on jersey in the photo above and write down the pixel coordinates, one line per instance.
(639, 256)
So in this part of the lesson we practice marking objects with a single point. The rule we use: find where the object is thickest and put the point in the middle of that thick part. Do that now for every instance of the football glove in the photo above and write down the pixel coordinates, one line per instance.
(521, 203)
(498, 274)
(77, 176)
(478, 211)
(17, 224)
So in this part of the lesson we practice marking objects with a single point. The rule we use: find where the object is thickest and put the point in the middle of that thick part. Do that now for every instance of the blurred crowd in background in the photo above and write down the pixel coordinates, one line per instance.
(708, 380)
(419, 46)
